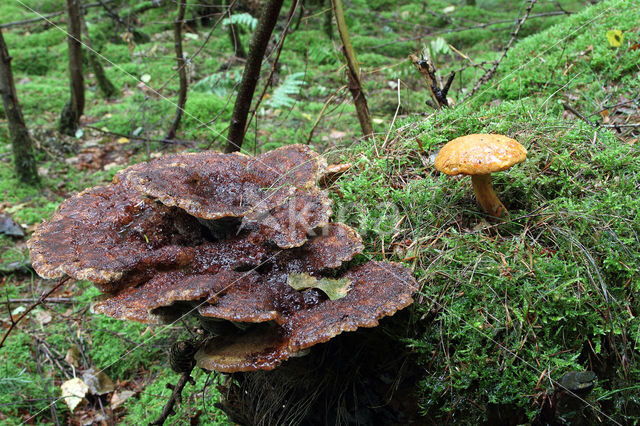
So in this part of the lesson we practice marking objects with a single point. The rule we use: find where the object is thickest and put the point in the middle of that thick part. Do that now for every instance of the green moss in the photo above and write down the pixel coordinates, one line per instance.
(504, 302)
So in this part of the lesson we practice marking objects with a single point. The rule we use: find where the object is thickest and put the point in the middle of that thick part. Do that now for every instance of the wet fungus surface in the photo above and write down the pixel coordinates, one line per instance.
(142, 241)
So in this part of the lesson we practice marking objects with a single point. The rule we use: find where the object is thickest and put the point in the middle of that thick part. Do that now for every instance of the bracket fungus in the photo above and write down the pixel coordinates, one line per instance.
(479, 155)
(149, 241)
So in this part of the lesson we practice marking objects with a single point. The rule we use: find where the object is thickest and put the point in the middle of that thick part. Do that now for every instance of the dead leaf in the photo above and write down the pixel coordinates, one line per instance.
(9, 227)
(99, 383)
(43, 317)
(119, 398)
(333, 288)
(73, 392)
(73, 356)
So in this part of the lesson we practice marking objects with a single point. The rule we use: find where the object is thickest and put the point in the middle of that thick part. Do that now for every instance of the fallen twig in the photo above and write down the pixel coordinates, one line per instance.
(428, 71)
(49, 16)
(142, 138)
(15, 322)
(176, 396)
(49, 300)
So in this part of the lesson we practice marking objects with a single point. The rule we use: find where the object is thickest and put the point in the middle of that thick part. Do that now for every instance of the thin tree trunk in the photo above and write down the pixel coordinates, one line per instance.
(182, 69)
(353, 71)
(234, 35)
(107, 88)
(267, 22)
(70, 117)
(21, 142)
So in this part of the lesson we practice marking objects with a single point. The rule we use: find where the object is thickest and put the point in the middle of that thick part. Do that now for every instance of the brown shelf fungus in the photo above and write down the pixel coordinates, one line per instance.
(479, 155)
(142, 241)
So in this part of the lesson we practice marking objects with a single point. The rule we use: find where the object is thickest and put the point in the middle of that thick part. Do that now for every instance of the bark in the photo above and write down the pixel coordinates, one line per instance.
(21, 141)
(266, 23)
(107, 88)
(182, 69)
(353, 71)
(70, 117)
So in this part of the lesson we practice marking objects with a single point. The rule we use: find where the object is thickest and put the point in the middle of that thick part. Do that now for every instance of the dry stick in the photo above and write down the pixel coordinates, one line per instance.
(267, 84)
(321, 113)
(21, 142)
(487, 76)
(267, 22)
(70, 116)
(14, 323)
(182, 69)
(353, 71)
(176, 396)
(49, 16)
(50, 300)
(234, 35)
(428, 71)
(142, 138)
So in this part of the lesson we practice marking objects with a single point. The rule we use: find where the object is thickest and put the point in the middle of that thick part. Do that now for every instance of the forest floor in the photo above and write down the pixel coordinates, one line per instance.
(505, 308)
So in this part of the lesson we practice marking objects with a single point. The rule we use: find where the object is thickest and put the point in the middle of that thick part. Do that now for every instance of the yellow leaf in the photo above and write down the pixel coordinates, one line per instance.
(615, 38)
(73, 392)
(123, 140)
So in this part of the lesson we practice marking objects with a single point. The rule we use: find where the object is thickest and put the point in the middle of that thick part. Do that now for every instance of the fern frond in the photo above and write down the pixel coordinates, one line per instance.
(283, 95)
(244, 20)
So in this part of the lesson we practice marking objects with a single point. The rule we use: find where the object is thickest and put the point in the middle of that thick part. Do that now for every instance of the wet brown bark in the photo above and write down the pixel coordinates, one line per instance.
(21, 141)
(182, 70)
(353, 71)
(266, 23)
(70, 117)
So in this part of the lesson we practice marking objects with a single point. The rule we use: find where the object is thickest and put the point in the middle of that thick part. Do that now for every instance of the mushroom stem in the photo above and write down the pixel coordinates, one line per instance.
(486, 195)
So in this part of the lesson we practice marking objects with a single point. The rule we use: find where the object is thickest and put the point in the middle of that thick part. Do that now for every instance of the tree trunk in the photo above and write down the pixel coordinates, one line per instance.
(353, 71)
(107, 88)
(70, 117)
(182, 69)
(267, 22)
(21, 142)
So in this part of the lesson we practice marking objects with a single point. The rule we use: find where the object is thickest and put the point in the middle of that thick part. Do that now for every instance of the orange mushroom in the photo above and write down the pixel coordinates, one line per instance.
(479, 155)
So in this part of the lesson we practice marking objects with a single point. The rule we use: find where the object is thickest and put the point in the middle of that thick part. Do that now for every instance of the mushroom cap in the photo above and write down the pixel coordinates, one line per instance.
(211, 185)
(479, 154)
(103, 233)
(220, 291)
(378, 289)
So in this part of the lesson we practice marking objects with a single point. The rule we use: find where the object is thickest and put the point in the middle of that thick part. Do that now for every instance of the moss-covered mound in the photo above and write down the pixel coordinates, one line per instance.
(508, 307)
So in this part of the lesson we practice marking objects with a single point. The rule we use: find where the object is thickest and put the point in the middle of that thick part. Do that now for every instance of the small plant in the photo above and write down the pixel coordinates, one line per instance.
(244, 20)
(282, 96)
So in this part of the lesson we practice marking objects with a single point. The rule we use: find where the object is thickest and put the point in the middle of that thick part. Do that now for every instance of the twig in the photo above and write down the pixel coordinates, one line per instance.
(176, 396)
(50, 300)
(321, 113)
(15, 322)
(182, 72)
(428, 71)
(613, 126)
(52, 407)
(142, 138)
(49, 16)
(514, 35)
(577, 113)
(353, 71)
